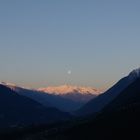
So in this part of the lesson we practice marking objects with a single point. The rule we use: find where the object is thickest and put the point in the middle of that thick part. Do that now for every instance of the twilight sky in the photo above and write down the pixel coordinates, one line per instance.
(78, 42)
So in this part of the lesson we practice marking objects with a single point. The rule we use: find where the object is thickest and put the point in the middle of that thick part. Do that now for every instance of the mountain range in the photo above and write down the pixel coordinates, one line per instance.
(118, 118)
(113, 114)
(98, 103)
(75, 93)
(65, 98)
(17, 110)
(117, 114)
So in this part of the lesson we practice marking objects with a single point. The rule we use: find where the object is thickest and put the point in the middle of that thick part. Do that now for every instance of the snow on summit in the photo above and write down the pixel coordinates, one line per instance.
(135, 73)
(65, 89)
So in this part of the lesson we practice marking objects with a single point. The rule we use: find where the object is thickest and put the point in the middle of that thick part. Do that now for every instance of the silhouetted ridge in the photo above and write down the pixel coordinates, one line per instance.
(97, 104)
(20, 110)
(128, 98)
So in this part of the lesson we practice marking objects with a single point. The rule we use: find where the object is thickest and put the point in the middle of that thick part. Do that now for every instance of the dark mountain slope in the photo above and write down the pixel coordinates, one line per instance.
(127, 99)
(97, 104)
(49, 100)
(20, 110)
(120, 119)
(46, 99)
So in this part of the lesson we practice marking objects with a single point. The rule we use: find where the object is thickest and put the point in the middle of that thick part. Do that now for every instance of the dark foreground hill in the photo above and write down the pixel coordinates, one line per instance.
(120, 119)
(97, 104)
(17, 110)
(121, 124)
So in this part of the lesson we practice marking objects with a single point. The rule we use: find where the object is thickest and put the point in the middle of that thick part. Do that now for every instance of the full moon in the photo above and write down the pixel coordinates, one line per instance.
(69, 72)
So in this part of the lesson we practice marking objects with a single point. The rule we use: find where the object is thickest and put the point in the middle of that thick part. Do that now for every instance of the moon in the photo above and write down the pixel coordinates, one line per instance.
(69, 72)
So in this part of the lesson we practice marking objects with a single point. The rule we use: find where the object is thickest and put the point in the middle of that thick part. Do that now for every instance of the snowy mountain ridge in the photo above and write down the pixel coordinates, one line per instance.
(135, 74)
(67, 89)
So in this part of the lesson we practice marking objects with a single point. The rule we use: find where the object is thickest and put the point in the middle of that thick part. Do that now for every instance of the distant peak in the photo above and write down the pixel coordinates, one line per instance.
(12, 86)
(135, 73)
(7, 84)
(64, 89)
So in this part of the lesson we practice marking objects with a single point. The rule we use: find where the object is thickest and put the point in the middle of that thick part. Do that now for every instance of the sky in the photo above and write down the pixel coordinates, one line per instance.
(77, 42)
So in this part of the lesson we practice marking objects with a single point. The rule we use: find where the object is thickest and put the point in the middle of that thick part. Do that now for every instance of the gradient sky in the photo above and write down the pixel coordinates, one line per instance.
(41, 40)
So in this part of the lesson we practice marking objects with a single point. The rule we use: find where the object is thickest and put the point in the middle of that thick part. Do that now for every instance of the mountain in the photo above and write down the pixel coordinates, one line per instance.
(98, 103)
(17, 110)
(78, 94)
(65, 98)
(119, 119)
(46, 99)
(128, 99)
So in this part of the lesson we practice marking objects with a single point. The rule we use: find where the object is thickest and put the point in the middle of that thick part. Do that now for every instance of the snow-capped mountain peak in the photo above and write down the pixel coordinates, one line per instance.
(13, 87)
(9, 85)
(135, 74)
(65, 89)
